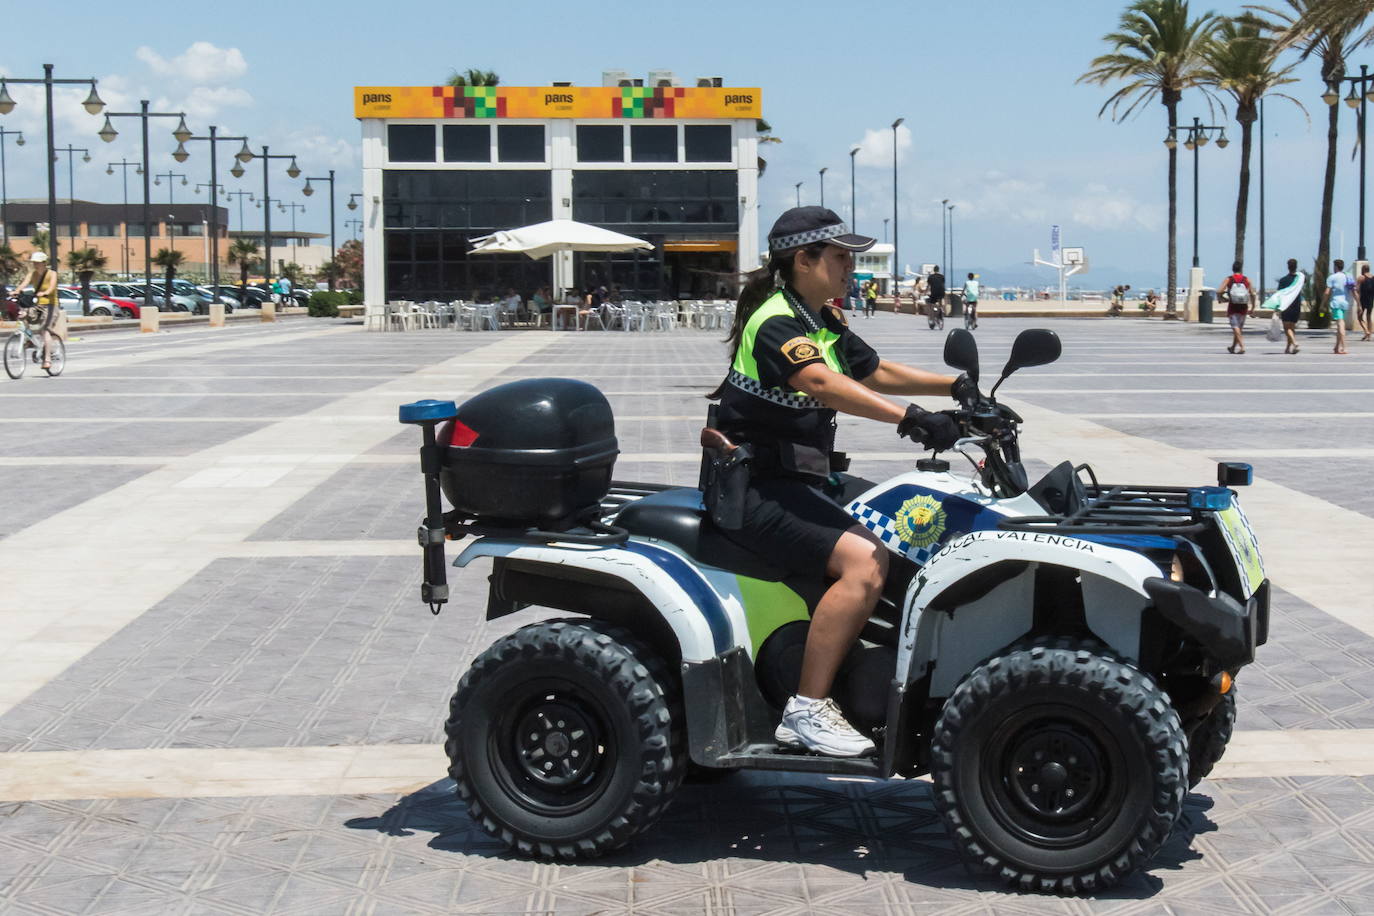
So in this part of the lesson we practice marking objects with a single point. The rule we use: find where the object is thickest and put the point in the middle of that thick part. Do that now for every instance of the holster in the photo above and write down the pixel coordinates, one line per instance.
(727, 482)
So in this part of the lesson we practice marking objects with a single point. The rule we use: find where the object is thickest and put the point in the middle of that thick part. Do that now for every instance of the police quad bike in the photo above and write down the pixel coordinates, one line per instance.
(1057, 656)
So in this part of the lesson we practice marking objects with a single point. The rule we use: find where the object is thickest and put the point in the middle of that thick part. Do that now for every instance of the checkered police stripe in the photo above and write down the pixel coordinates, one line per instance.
(886, 530)
(772, 395)
(785, 242)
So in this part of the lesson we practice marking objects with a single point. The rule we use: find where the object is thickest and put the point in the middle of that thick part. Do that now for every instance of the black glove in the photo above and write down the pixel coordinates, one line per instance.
(965, 390)
(936, 431)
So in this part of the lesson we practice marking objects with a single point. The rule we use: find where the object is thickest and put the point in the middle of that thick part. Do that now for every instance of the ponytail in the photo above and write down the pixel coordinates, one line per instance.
(759, 286)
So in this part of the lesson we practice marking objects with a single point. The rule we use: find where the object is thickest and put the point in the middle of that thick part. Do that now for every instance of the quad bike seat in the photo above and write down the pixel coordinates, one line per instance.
(679, 517)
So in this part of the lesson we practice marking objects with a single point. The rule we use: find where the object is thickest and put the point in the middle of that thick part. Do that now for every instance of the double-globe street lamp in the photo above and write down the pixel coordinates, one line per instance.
(171, 202)
(124, 166)
(292, 171)
(180, 133)
(1199, 135)
(18, 136)
(824, 169)
(1361, 93)
(355, 223)
(93, 105)
(293, 207)
(240, 195)
(333, 244)
(244, 155)
(71, 152)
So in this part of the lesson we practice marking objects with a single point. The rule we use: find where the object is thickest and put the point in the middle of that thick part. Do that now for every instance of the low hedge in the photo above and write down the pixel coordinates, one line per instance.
(324, 304)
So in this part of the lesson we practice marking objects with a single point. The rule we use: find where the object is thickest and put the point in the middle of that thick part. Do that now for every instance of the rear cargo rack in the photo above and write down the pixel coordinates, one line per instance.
(1119, 509)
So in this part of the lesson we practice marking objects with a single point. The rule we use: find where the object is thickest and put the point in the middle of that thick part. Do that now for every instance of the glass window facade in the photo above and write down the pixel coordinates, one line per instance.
(429, 217)
(707, 143)
(653, 143)
(704, 199)
(520, 143)
(410, 142)
(136, 229)
(101, 230)
(467, 142)
(600, 143)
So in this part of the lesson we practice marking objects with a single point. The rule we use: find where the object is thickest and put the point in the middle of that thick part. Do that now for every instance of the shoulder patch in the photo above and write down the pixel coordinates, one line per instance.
(800, 350)
(834, 318)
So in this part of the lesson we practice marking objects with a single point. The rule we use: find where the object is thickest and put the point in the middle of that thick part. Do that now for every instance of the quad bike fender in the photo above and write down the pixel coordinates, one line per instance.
(701, 620)
(987, 589)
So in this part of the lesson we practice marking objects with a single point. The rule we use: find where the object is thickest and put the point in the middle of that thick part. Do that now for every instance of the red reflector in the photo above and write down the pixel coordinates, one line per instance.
(461, 435)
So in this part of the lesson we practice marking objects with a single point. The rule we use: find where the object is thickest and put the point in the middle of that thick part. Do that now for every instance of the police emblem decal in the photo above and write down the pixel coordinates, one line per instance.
(800, 349)
(920, 521)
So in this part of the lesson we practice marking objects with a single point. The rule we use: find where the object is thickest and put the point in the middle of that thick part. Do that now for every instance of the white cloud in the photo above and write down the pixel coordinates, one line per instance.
(876, 146)
(202, 64)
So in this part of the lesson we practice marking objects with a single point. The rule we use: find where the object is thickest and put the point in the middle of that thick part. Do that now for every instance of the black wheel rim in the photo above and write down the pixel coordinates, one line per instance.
(552, 747)
(1050, 779)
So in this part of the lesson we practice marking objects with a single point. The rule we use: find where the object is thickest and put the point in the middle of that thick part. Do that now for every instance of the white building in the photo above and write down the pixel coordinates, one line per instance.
(673, 164)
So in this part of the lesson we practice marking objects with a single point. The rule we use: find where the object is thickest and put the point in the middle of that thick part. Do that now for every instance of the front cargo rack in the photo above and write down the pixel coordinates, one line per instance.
(1119, 509)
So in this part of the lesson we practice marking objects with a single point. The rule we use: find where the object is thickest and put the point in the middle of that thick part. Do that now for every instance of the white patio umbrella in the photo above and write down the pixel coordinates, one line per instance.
(543, 239)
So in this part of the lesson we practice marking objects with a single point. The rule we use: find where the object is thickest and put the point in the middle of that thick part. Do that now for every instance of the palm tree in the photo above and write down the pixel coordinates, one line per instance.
(84, 262)
(765, 132)
(1157, 53)
(244, 253)
(1241, 61)
(331, 271)
(472, 77)
(1317, 30)
(39, 240)
(169, 260)
(10, 264)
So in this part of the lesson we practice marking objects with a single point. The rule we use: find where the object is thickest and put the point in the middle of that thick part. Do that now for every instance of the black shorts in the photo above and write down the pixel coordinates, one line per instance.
(791, 525)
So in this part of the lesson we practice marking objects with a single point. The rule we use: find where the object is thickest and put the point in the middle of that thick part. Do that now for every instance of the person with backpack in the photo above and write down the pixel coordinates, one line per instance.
(1236, 292)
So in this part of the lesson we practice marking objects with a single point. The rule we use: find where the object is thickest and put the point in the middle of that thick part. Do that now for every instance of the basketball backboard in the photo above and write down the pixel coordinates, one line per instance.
(1073, 256)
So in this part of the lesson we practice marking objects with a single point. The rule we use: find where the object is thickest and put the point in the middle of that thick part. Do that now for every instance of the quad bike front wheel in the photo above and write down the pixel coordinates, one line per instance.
(565, 739)
(1059, 767)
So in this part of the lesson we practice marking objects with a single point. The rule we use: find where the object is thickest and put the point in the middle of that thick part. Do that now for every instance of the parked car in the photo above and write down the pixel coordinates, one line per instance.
(196, 302)
(299, 297)
(179, 303)
(70, 300)
(223, 297)
(128, 308)
(252, 296)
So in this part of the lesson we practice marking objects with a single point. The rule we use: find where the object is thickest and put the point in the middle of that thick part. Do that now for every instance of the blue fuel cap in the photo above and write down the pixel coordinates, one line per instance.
(428, 411)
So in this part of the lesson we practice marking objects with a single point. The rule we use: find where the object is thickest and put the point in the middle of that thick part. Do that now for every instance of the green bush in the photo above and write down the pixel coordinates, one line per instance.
(324, 304)
(355, 296)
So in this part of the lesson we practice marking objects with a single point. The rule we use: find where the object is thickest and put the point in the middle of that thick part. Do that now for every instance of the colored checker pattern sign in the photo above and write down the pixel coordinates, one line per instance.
(930, 516)
(537, 102)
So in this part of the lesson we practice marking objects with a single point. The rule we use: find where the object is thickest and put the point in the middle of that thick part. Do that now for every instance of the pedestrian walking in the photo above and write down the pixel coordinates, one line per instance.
(1237, 293)
(1337, 298)
(852, 296)
(1287, 300)
(870, 298)
(1364, 291)
(284, 286)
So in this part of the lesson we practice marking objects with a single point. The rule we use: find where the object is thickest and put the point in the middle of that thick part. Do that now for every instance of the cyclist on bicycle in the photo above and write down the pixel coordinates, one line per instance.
(44, 283)
(935, 296)
(971, 302)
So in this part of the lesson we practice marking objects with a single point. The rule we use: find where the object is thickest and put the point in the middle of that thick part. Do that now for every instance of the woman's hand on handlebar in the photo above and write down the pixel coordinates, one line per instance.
(937, 431)
(965, 391)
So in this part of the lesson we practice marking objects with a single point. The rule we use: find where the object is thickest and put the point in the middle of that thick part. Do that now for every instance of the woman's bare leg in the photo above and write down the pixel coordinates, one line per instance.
(859, 566)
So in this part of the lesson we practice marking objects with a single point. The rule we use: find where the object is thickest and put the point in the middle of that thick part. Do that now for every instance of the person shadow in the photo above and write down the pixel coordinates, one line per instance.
(856, 826)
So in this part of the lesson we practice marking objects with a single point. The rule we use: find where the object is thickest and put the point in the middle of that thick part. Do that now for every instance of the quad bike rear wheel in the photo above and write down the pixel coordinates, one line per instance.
(1208, 742)
(565, 739)
(1059, 767)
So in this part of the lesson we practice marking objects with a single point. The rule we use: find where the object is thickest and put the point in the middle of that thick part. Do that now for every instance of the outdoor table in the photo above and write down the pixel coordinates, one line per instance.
(563, 310)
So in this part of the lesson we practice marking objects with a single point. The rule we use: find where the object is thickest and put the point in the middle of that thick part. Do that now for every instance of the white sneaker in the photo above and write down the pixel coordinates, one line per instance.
(820, 726)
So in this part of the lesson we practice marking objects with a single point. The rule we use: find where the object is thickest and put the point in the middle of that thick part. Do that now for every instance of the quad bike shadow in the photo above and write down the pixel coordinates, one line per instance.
(853, 827)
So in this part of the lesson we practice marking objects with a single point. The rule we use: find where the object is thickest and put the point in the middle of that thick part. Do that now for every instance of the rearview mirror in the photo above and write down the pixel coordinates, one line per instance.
(961, 352)
(1032, 347)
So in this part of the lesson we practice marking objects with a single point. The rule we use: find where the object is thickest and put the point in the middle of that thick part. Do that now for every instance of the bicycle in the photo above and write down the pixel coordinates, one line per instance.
(970, 315)
(936, 317)
(24, 346)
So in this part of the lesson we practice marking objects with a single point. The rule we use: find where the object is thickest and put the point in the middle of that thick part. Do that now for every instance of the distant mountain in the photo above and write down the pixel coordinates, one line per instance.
(1097, 278)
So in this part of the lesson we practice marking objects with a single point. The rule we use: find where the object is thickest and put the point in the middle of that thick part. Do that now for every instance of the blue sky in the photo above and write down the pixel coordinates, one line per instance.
(997, 124)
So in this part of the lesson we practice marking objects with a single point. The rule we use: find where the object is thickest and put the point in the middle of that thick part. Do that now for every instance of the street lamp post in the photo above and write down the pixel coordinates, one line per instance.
(293, 171)
(171, 202)
(799, 184)
(71, 152)
(124, 174)
(333, 244)
(355, 223)
(1199, 135)
(886, 220)
(896, 260)
(944, 238)
(240, 195)
(244, 155)
(93, 105)
(293, 207)
(1358, 98)
(18, 136)
(823, 171)
(181, 132)
(853, 216)
(949, 268)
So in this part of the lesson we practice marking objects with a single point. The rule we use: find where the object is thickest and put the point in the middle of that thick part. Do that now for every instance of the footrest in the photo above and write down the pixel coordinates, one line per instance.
(776, 757)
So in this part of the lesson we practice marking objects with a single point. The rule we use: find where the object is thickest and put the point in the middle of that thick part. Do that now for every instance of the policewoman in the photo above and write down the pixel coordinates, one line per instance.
(795, 364)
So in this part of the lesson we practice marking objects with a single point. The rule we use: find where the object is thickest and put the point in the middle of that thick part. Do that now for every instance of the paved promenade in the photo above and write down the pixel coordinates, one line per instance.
(219, 692)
